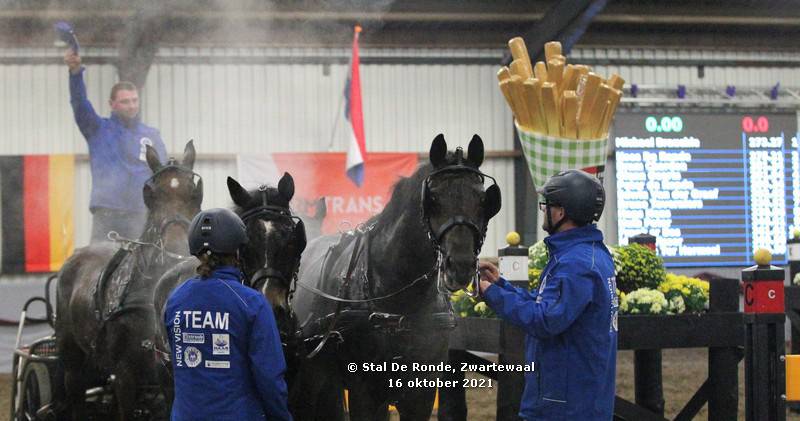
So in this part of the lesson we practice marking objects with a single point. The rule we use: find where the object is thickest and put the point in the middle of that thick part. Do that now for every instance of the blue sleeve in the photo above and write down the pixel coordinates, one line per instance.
(502, 283)
(562, 301)
(87, 119)
(268, 366)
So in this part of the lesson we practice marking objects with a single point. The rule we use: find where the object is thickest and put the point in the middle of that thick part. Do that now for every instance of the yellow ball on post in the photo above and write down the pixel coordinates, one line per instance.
(762, 257)
(512, 238)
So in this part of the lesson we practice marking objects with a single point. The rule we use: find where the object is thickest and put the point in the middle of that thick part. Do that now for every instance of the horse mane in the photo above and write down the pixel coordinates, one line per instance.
(407, 193)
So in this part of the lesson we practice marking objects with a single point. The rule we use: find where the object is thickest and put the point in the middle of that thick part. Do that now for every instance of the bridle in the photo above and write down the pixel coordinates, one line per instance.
(436, 235)
(266, 212)
(159, 231)
(172, 164)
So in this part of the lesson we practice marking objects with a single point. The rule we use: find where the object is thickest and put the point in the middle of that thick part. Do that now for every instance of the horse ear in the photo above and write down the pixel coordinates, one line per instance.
(148, 195)
(493, 201)
(188, 155)
(300, 236)
(320, 209)
(239, 195)
(475, 151)
(438, 150)
(286, 186)
(197, 194)
(152, 159)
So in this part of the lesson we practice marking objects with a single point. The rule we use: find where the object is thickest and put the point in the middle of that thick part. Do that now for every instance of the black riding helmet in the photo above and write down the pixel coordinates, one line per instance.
(217, 230)
(580, 194)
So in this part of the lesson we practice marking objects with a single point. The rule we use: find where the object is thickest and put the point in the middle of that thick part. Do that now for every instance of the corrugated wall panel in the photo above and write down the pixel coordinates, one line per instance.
(688, 75)
(215, 194)
(269, 107)
(263, 108)
(504, 220)
(295, 107)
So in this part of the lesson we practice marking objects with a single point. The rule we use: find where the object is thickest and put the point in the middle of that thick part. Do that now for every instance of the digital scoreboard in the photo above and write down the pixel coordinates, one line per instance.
(711, 188)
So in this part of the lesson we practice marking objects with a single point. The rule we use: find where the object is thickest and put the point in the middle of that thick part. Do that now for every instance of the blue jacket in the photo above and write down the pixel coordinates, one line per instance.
(571, 326)
(116, 153)
(226, 352)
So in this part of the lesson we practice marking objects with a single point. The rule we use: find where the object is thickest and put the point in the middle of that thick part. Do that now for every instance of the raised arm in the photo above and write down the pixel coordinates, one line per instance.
(87, 119)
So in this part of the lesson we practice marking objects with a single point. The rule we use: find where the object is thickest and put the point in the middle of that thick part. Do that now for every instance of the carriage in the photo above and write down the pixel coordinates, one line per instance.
(34, 367)
(69, 371)
(36, 375)
(450, 228)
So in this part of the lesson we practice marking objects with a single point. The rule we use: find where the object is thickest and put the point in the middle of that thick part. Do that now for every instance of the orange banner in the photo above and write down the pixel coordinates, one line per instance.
(323, 175)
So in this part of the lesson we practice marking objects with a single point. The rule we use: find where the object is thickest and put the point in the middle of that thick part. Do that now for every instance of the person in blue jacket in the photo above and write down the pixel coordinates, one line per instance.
(226, 352)
(117, 155)
(571, 321)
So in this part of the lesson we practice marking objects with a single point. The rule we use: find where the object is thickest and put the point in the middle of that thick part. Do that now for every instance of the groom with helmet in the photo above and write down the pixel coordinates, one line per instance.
(226, 352)
(571, 320)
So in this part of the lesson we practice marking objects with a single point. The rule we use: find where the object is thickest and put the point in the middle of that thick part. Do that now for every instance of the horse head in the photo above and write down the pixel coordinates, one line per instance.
(173, 195)
(456, 209)
(276, 239)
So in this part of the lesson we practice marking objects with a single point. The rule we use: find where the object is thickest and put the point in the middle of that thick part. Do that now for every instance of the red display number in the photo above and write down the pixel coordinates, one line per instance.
(758, 124)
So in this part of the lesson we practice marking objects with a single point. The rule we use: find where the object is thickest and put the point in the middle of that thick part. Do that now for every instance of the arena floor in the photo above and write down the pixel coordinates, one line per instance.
(684, 371)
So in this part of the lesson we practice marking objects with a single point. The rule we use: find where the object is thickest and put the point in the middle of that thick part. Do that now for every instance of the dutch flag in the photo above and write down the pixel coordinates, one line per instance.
(357, 148)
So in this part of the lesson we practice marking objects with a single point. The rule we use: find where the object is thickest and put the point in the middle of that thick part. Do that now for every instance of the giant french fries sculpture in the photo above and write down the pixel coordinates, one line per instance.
(557, 99)
(562, 111)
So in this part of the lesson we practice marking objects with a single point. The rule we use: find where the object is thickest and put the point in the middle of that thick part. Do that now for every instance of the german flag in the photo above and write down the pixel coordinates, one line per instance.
(38, 195)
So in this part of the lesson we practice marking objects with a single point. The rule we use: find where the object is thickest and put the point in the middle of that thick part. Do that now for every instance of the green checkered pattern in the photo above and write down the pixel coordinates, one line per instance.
(548, 156)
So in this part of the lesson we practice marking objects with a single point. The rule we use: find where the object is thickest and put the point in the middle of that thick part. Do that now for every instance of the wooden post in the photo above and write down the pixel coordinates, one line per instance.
(648, 383)
(793, 255)
(792, 298)
(723, 362)
(764, 370)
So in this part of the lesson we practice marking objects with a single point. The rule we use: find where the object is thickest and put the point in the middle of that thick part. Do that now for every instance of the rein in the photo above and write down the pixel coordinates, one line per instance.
(129, 244)
(368, 300)
(435, 237)
(395, 322)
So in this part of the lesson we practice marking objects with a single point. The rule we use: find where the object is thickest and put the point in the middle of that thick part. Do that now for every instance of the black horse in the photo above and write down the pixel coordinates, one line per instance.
(269, 260)
(104, 295)
(380, 294)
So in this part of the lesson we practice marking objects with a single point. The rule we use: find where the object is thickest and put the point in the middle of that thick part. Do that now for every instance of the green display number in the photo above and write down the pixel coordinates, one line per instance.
(665, 124)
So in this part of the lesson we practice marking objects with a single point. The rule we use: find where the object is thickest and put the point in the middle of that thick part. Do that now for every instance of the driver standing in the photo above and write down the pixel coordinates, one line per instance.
(571, 321)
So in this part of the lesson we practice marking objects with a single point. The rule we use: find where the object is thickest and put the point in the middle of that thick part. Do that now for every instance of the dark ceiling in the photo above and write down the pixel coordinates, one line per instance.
(733, 24)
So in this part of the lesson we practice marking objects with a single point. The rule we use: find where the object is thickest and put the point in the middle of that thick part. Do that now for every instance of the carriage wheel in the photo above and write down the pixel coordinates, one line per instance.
(36, 391)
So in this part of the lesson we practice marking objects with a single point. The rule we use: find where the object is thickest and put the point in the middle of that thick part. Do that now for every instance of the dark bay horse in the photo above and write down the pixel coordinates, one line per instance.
(269, 261)
(380, 294)
(104, 295)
